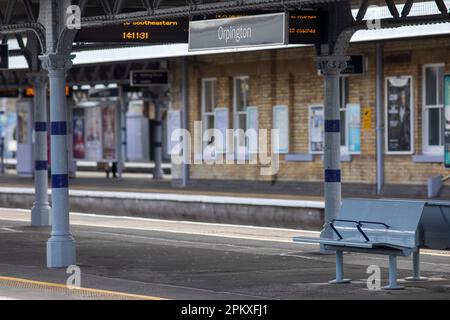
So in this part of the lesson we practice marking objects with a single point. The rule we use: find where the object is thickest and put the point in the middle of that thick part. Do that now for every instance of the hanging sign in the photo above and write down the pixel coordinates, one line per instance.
(247, 31)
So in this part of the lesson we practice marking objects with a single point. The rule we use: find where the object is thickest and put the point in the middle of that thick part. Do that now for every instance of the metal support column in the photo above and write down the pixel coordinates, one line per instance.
(184, 121)
(119, 130)
(339, 269)
(61, 245)
(40, 212)
(379, 116)
(393, 274)
(331, 67)
(157, 171)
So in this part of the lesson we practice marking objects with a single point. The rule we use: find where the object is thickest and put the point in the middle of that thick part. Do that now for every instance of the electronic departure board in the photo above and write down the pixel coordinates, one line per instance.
(149, 31)
(305, 27)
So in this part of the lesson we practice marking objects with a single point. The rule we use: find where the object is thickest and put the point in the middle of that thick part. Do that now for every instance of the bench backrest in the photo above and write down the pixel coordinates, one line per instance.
(402, 217)
(435, 225)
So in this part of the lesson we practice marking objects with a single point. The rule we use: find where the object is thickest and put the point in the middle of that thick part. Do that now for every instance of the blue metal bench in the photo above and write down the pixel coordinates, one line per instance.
(388, 227)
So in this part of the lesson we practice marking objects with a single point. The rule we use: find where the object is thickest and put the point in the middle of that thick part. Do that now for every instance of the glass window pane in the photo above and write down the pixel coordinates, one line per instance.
(209, 96)
(242, 90)
(343, 128)
(344, 89)
(430, 85)
(434, 126)
(241, 123)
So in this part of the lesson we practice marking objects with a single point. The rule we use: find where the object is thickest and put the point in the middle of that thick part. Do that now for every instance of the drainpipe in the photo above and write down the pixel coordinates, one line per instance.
(379, 116)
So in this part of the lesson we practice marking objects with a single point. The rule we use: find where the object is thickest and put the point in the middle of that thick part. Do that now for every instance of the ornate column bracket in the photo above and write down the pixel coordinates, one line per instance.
(332, 65)
(56, 63)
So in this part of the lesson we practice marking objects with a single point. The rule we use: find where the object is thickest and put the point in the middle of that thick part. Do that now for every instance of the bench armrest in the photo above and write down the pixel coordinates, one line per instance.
(358, 226)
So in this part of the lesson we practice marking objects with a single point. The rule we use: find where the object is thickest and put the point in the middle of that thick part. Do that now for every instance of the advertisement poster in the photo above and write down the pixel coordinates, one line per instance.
(79, 147)
(354, 128)
(22, 124)
(108, 125)
(173, 123)
(93, 132)
(316, 129)
(221, 124)
(281, 122)
(447, 120)
(399, 115)
(252, 124)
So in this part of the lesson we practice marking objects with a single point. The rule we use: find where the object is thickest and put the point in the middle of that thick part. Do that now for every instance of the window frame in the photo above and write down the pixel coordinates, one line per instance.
(205, 114)
(426, 148)
(236, 113)
(310, 107)
(343, 108)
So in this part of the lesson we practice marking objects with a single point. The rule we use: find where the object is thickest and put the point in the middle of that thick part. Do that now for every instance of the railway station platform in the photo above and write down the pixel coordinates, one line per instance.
(269, 204)
(136, 258)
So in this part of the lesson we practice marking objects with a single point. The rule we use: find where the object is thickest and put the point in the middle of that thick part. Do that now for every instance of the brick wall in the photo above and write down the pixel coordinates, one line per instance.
(289, 77)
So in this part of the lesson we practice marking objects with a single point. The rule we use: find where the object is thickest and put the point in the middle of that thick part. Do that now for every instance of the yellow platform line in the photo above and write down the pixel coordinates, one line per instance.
(75, 291)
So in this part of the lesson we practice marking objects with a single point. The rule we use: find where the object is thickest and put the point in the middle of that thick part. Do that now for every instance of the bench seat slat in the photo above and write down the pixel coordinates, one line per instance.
(341, 243)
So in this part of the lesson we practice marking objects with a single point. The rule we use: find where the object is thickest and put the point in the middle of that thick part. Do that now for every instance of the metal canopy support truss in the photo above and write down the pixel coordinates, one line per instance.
(17, 19)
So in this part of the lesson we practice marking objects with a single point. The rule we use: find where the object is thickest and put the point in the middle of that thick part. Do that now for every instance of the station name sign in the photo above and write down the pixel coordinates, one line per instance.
(304, 26)
(4, 62)
(246, 31)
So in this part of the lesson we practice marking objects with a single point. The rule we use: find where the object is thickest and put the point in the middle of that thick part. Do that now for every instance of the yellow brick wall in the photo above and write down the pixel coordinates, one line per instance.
(289, 76)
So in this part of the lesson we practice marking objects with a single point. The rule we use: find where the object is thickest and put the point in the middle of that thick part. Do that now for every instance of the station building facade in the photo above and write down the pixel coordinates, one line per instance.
(266, 80)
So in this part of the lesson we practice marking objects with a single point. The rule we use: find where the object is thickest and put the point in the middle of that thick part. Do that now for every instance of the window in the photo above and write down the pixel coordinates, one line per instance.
(433, 110)
(240, 104)
(209, 94)
(344, 99)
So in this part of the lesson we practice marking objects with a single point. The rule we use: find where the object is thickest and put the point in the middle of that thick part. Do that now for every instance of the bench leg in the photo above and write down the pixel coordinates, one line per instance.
(339, 269)
(393, 274)
(416, 268)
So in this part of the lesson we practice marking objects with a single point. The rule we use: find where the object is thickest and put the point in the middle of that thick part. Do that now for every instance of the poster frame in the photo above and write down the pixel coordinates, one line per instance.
(349, 127)
(412, 114)
(276, 109)
(101, 105)
(310, 107)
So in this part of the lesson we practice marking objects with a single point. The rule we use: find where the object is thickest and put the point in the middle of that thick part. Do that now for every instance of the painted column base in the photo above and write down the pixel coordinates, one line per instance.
(60, 252)
(40, 215)
(393, 287)
(342, 281)
(420, 278)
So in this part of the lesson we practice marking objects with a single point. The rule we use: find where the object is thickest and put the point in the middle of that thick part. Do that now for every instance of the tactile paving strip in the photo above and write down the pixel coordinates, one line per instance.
(64, 291)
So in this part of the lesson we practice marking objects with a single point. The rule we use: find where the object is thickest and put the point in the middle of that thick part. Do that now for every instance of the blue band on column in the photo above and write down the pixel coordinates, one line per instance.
(60, 181)
(59, 128)
(40, 165)
(40, 126)
(332, 125)
(332, 175)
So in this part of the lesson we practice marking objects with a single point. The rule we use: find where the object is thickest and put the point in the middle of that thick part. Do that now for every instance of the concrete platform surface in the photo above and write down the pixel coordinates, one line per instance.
(126, 258)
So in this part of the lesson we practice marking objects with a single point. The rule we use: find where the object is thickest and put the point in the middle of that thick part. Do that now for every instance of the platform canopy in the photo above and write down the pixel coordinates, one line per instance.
(98, 61)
